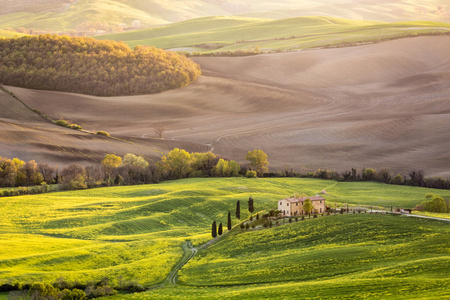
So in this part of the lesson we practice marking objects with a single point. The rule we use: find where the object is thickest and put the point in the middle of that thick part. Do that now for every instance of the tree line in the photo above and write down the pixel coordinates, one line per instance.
(412, 178)
(130, 169)
(89, 66)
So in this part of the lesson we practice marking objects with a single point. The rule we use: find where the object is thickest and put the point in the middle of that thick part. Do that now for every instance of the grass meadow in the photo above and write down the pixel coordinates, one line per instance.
(213, 34)
(136, 233)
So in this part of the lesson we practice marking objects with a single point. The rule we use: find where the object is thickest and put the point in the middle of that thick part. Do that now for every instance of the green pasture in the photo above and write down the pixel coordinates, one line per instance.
(136, 232)
(10, 34)
(213, 34)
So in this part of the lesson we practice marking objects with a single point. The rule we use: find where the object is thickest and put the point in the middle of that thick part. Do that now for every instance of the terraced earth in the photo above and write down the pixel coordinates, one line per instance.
(381, 105)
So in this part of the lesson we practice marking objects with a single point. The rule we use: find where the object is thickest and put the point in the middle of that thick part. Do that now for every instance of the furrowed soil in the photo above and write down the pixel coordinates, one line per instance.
(380, 105)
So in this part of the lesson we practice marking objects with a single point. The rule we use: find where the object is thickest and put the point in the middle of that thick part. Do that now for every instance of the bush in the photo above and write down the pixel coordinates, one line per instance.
(62, 123)
(242, 225)
(315, 216)
(74, 294)
(247, 226)
(76, 127)
(250, 174)
(102, 133)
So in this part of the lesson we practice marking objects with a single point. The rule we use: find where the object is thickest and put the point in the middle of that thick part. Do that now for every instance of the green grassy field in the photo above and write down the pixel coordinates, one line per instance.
(136, 232)
(213, 34)
(10, 34)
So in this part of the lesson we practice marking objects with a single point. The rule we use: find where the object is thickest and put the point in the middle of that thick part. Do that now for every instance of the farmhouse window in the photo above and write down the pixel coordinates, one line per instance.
(287, 204)
(320, 201)
(281, 203)
(296, 204)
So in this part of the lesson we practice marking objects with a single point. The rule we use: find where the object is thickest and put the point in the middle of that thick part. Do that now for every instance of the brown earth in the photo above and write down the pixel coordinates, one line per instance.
(382, 105)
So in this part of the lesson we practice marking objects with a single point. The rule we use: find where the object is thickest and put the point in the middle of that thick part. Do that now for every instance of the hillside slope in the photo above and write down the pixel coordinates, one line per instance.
(100, 15)
(134, 233)
(382, 106)
(26, 135)
(221, 34)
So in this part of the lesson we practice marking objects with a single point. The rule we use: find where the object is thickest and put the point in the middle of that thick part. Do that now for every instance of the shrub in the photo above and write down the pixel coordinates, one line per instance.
(76, 127)
(265, 224)
(315, 216)
(74, 294)
(250, 174)
(133, 287)
(242, 225)
(102, 133)
(39, 290)
(247, 226)
(398, 179)
(62, 123)
(303, 218)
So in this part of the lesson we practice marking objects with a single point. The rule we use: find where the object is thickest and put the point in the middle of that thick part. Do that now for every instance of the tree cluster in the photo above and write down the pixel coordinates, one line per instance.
(435, 204)
(413, 178)
(114, 170)
(66, 290)
(15, 172)
(89, 66)
(179, 163)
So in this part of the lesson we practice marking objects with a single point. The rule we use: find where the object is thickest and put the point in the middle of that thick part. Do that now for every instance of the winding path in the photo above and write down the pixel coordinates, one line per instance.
(172, 278)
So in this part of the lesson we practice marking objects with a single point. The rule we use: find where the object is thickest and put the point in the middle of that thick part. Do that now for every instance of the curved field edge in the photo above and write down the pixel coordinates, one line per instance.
(137, 231)
(346, 247)
(222, 34)
(93, 67)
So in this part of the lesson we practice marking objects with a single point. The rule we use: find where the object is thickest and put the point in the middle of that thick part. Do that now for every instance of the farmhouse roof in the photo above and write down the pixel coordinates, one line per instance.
(302, 199)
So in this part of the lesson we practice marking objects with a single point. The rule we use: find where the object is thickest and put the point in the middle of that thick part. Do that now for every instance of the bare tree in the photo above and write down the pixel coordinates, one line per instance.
(159, 130)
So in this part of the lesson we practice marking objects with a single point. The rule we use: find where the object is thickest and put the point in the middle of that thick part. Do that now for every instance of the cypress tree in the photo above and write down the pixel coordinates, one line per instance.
(251, 209)
(220, 229)
(238, 209)
(214, 230)
(229, 221)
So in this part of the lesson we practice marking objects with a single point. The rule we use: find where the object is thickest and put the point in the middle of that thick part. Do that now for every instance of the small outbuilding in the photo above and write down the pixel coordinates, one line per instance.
(291, 207)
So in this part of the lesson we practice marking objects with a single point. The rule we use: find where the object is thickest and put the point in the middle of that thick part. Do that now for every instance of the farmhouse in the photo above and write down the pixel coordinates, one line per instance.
(294, 206)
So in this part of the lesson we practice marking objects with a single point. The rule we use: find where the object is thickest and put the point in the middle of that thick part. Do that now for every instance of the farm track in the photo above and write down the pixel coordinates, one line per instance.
(172, 278)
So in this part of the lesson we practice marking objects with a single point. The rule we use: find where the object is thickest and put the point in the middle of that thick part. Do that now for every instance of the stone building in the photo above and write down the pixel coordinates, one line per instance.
(291, 207)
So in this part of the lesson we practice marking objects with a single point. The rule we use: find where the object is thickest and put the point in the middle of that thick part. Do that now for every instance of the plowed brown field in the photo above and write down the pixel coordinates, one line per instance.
(382, 105)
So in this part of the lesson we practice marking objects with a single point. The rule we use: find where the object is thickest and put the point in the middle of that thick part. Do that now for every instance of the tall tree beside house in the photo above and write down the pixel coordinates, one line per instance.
(258, 161)
(251, 208)
(308, 207)
(214, 229)
(220, 229)
(229, 221)
(238, 209)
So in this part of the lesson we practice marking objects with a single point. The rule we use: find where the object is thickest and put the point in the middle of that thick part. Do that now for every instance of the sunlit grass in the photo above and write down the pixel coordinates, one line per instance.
(136, 233)
(231, 34)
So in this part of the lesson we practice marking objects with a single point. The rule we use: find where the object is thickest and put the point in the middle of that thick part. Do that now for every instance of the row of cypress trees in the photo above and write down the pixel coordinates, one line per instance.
(219, 231)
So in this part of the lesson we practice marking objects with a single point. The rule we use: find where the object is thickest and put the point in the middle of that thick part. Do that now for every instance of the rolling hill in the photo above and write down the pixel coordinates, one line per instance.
(220, 34)
(135, 234)
(384, 105)
(95, 16)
